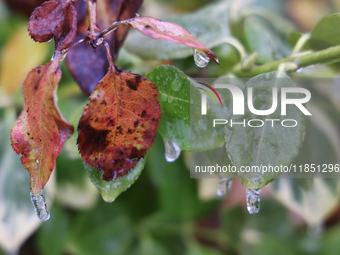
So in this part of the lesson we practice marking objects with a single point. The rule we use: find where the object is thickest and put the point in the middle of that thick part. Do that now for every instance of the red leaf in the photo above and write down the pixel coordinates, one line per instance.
(159, 29)
(89, 67)
(40, 131)
(119, 124)
(54, 19)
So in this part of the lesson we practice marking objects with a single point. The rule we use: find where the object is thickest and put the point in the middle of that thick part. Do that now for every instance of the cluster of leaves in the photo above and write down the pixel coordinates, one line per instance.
(163, 218)
(120, 122)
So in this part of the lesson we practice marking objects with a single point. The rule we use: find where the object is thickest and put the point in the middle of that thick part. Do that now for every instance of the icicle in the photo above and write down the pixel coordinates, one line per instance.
(172, 151)
(201, 60)
(38, 201)
(224, 186)
(253, 200)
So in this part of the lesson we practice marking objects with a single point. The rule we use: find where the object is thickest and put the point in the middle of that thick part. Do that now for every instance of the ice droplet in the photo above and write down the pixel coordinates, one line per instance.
(253, 200)
(201, 60)
(172, 151)
(299, 70)
(38, 201)
(224, 186)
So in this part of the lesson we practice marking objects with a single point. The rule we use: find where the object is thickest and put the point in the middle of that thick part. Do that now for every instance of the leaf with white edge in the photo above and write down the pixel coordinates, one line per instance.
(313, 198)
(270, 144)
(110, 190)
(74, 188)
(326, 32)
(208, 26)
(18, 220)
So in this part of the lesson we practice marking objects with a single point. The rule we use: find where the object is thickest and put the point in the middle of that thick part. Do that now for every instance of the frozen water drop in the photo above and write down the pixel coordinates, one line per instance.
(201, 60)
(224, 186)
(299, 70)
(39, 203)
(253, 200)
(172, 151)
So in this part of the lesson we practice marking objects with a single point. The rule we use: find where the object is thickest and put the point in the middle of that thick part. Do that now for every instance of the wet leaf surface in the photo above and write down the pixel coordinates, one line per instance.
(119, 124)
(40, 131)
(112, 189)
(271, 143)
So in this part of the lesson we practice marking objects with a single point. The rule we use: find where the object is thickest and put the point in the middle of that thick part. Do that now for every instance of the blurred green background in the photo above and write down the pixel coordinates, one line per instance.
(164, 211)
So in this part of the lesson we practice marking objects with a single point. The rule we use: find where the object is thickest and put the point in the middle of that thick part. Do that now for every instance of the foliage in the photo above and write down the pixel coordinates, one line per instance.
(163, 212)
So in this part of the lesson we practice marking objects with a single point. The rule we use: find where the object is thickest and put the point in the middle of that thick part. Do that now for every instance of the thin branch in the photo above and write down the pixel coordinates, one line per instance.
(319, 57)
(92, 7)
(109, 56)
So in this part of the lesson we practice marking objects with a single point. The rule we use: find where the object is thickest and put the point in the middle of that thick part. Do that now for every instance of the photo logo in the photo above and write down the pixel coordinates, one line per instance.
(238, 103)
(204, 97)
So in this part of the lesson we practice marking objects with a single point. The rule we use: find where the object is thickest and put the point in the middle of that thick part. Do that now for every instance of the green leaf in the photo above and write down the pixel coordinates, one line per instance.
(313, 199)
(233, 221)
(331, 245)
(110, 190)
(264, 145)
(177, 96)
(326, 32)
(105, 230)
(208, 25)
(53, 235)
(150, 246)
(196, 249)
(262, 39)
(181, 107)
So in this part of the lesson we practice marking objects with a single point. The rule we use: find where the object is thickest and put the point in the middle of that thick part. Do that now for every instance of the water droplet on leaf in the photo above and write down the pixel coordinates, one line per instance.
(39, 203)
(201, 60)
(224, 186)
(253, 200)
(172, 151)
(299, 70)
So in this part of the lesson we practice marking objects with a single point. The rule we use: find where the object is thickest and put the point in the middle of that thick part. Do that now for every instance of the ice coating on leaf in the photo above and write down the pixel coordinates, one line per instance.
(40, 131)
(159, 29)
(54, 19)
(40, 207)
(119, 124)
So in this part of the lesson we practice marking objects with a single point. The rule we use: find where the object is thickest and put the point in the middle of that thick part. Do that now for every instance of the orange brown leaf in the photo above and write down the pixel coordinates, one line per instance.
(119, 123)
(159, 29)
(40, 131)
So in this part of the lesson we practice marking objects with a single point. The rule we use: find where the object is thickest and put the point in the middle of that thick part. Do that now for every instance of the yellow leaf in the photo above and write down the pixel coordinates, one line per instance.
(17, 58)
